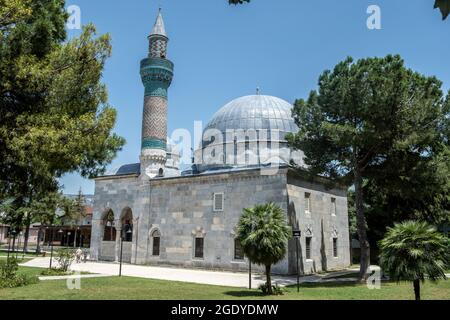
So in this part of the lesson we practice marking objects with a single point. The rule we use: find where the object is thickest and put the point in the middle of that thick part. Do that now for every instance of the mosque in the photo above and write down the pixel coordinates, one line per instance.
(161, 215)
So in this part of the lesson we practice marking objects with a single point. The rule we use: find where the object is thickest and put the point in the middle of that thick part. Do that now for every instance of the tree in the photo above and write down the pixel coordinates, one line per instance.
(44, 211)
(263, 233)
(237, 1)
(54, 111)
(363, 116)
(415, 251)
(443, 5)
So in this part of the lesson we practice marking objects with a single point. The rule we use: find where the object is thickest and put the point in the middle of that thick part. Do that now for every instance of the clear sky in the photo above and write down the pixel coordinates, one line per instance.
(222, 52)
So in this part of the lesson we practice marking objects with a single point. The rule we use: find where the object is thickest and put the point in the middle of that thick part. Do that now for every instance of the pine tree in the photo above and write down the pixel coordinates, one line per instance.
(365, 119)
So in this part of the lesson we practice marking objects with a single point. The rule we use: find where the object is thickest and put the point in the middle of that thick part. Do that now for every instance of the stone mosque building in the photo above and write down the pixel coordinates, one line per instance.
(189, 218)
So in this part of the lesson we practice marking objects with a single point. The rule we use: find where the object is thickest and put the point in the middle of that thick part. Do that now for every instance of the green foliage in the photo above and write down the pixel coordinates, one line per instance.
(444, 6)
(54, 111)
(8, 268)
(55, 272)
(9, 278)
(237, 1)
(276, 290)
(65, 258)
(383, 128)
(353, 228)
(415, 251)
(264, 233)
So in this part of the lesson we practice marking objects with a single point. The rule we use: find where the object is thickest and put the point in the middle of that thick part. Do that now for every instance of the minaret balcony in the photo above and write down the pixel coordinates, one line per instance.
(157, 63)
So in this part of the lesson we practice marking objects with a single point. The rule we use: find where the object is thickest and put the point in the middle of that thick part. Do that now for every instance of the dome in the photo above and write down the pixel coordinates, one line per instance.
(255, 112)
(247, 132)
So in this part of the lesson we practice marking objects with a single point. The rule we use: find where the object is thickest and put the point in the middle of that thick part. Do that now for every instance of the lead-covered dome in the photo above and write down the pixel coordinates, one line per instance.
(247, 132)
(255, 112)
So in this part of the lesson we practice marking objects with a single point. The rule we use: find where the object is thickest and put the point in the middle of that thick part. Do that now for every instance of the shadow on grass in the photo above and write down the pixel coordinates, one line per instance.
(312, 285)
(244, 294)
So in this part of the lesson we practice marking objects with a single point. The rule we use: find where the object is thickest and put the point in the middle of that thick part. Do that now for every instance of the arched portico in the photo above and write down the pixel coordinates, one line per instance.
(126, 223)
(109, 227)
(107, 235)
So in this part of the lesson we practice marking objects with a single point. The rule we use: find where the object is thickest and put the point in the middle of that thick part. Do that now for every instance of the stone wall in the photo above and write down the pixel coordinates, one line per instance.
(319, 224)
(107, 251)
(117, 194)
(181, 209)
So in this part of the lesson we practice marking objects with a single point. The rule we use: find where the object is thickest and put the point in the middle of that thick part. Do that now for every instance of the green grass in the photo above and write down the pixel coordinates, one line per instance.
(19, 259)
(115, 288)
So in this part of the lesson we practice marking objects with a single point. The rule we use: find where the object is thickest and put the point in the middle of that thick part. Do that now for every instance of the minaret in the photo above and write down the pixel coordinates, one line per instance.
(157, 74)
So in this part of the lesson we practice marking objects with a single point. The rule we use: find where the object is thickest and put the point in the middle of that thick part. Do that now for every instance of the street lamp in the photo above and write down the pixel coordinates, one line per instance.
(51, 251)
(77, 232)
(121, 248)
(297, 234)
(68, 238)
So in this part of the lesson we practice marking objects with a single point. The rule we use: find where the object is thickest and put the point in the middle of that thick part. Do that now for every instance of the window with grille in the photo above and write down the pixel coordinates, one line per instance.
(199, 248)
(218, 202)
(238, 252)
(307, 203)
(333, 206)
(308, 248)
(335, 247)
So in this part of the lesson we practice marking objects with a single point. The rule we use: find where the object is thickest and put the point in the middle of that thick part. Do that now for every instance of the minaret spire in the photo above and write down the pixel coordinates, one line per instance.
(159, 28)
(156, 74)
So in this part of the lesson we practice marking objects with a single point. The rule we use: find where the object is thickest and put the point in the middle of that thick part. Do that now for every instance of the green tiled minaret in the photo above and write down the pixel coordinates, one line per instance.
(156, 74)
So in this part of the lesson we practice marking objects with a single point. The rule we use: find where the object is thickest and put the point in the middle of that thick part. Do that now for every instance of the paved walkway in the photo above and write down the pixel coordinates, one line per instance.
(239, 280)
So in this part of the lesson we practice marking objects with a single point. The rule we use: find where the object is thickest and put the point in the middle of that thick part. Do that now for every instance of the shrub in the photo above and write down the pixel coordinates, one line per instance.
(9, 277)
(65, 257)
(415, 251)
(8, 269)
(55, 272)
(276, 290)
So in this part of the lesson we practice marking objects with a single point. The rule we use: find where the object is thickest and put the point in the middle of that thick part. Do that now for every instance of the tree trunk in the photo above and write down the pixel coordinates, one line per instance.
(26, 236)
(362, 227)
(417, 289)
(269, 279)
(38, 242)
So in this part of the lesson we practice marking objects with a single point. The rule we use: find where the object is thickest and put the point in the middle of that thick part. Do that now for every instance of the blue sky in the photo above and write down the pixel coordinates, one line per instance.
(222, 52)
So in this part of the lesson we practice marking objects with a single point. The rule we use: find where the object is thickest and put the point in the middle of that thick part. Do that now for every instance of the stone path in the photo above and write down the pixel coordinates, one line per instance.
(229, 279)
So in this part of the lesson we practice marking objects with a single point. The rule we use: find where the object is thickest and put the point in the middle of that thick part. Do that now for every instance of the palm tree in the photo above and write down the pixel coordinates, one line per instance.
(263, 233)
(414, 251)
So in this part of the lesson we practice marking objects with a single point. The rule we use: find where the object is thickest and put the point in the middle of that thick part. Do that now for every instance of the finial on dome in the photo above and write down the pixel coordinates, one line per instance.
(258, 91)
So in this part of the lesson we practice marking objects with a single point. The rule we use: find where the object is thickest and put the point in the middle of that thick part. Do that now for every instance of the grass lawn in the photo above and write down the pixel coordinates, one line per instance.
(19, 259)
(115, 288)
